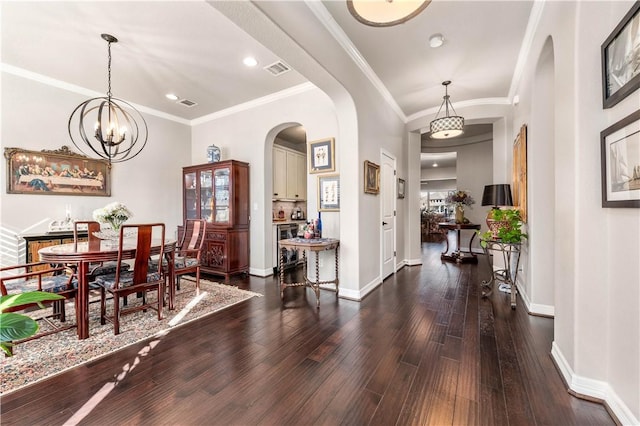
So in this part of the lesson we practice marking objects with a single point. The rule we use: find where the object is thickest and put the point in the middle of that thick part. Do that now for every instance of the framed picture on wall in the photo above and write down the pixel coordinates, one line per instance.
(56, 172)
(519, 175)
(328, 193)
(321, 156)
(371, 178)
(620, 54)
(400, 188)
(620, 163)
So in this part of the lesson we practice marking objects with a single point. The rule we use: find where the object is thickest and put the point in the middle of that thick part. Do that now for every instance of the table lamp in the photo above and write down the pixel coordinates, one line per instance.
(496, 195)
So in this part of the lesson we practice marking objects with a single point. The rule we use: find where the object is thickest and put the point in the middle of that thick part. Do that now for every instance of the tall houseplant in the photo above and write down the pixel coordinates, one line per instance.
(15, 326)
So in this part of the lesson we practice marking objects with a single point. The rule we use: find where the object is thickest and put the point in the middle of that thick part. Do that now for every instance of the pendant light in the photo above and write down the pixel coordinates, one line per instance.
(448, 126)
(106, 126)
(385, 13)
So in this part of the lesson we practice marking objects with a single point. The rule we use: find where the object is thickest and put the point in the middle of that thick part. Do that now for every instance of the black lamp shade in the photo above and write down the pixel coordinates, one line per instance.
(497, 195)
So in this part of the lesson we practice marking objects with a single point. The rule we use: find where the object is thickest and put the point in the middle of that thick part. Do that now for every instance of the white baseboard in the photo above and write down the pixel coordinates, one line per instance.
(413, 262)
(591, 388)
(261, 272)
(535, 308)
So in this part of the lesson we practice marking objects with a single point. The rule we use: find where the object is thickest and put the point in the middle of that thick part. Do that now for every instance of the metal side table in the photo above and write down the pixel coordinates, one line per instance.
(507, 277)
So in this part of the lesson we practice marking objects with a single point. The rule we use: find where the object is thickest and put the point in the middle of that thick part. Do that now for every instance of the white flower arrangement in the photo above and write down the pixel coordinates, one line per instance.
(115, 214)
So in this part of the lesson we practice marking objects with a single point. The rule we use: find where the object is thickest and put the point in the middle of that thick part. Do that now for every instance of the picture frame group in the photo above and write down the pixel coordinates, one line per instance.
(56, 172)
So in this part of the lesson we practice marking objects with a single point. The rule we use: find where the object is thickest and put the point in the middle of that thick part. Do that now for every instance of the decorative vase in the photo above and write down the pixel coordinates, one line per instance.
(213, 154)
(459, 214)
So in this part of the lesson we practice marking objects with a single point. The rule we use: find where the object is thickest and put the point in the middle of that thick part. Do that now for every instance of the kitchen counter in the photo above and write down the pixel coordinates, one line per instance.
(288, 221)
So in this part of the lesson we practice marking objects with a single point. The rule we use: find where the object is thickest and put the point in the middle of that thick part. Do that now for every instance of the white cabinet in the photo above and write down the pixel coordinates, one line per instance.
(289, 174)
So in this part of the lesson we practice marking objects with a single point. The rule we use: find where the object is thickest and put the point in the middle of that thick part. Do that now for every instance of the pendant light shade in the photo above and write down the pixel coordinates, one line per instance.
(448, 126)
(106, 126)
(385, 13)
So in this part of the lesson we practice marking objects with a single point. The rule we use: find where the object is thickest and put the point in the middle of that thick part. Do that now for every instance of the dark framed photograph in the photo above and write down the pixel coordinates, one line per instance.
(371, 178)
(56, 172)
(620, 158)
(328, 193)
(400, 188)
(321, 156)
(620, 58)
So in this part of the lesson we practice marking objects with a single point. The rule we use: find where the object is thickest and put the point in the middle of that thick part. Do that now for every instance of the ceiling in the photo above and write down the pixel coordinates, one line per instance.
(190, 49)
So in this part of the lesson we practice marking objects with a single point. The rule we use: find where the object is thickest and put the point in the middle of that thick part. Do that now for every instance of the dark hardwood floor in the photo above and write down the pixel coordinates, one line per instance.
(424, 348)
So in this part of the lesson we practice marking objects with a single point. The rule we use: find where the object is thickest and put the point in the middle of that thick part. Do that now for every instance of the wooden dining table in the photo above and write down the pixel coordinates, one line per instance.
(83, 254)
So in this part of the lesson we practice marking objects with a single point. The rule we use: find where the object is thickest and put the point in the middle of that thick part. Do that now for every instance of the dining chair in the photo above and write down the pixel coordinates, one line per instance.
(144, 277)
(189, 251)
(95, 268)
(40, 276)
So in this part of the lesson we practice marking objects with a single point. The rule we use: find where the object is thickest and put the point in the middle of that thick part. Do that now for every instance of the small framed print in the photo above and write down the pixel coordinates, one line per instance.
(321, 156)
(371, 178)
(620, 53)
(328, 193)
(620, 163)
(400, 188)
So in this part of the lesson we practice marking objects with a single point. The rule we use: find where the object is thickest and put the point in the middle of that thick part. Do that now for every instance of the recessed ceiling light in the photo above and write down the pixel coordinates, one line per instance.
(171, 97)
(436, 40)
(250, 61)
(435, 164)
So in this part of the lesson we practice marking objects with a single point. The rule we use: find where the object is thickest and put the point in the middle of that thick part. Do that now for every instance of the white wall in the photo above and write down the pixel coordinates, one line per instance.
(35, 116)
(596, 293)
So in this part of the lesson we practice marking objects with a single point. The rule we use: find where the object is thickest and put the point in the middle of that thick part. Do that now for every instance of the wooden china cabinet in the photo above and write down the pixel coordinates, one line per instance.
(219, 193)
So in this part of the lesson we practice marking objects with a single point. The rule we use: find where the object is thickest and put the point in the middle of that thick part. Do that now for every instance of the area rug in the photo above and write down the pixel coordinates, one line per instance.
(44, 357)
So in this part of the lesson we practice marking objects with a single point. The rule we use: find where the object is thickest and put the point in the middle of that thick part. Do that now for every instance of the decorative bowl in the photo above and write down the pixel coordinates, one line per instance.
(112, 234)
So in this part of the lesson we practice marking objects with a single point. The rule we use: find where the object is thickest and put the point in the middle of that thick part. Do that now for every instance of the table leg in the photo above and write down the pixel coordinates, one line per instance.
(446, 240)
(316, 287)
(82, 305)
(281, 267)
(458, 240)
(337, 277)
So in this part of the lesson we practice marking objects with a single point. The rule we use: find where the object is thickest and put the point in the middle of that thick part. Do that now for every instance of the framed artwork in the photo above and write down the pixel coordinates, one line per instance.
(328, 193)
(620, 163)
(519, 173)
(321, 156)
(620, 57)
(56, 172)
(400, 188)
(371, 178)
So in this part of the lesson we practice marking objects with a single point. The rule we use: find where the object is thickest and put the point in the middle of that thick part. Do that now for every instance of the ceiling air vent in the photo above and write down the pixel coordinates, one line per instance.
(277, 68)
(187, 103)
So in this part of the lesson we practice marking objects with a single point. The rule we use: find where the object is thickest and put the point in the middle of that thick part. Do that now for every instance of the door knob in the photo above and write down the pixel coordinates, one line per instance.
(384, 223)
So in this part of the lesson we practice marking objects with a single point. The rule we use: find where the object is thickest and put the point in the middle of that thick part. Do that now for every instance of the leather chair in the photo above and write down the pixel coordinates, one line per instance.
(40, 276)
(144, 277)
(189, 251)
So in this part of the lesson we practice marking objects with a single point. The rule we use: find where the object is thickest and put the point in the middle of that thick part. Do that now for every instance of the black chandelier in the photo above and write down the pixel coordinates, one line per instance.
(117, 132)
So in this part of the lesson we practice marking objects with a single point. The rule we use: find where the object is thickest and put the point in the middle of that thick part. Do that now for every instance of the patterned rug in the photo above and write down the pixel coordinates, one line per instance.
(50, 355)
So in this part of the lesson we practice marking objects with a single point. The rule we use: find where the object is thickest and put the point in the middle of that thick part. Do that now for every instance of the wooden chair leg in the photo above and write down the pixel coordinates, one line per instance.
(198, 281)
(116, 314)
(103, 305)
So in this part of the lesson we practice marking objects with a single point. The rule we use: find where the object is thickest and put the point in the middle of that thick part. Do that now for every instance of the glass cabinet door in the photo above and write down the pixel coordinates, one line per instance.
(206, 195)
(190, 196)
(221, 190)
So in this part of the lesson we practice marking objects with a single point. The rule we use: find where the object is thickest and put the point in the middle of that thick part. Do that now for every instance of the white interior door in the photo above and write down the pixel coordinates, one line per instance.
(388, 194)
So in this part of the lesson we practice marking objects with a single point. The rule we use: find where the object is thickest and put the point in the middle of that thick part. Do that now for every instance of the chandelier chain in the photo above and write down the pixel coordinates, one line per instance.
(109, 70)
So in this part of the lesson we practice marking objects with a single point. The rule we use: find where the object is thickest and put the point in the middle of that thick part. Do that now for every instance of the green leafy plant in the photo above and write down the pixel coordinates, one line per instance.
(510, 228)
(15, 326)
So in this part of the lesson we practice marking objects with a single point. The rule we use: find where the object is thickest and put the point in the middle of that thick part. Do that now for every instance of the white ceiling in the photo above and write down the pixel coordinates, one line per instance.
(190, 49)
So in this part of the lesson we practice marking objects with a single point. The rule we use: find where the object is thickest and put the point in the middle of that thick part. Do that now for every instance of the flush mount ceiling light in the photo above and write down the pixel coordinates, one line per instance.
(250, 61)
(385, 13)
(117, 131)
(436, 40)
(171, 97)
(448, 126)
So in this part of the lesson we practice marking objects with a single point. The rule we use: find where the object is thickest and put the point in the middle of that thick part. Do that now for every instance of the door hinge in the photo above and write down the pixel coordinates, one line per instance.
(394, 253)
(394, 172)
(394, 213)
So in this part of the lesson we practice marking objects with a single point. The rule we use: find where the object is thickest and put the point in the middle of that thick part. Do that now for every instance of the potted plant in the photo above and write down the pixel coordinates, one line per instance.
(504, 225)
(15, 326)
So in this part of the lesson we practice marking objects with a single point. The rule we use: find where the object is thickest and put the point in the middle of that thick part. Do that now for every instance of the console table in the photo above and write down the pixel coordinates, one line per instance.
(458, 255)
(508, 276)
(312, 245)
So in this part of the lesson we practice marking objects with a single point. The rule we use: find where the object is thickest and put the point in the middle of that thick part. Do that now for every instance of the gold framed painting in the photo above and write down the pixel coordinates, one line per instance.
(519, 174)
(328, 193)
(321, 155)
(56, 172)
(371, 178)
